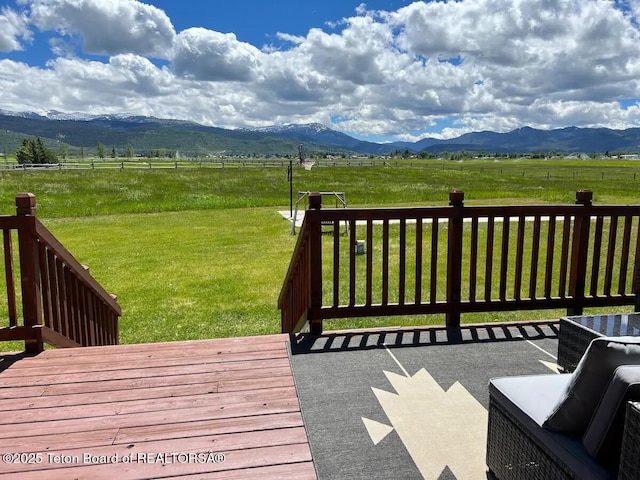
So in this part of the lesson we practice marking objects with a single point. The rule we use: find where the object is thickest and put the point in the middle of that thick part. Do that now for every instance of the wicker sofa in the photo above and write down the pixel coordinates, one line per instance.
(584, 425)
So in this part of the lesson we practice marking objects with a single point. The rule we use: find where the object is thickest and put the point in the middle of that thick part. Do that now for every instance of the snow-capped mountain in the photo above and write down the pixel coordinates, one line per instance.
(148, 132)
(319, 134)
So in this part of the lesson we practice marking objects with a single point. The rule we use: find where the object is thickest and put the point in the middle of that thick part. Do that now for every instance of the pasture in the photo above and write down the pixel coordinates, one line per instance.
(202, 252)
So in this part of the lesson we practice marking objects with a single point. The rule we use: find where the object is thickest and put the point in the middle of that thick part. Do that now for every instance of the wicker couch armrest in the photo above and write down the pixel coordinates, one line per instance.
(629, 468)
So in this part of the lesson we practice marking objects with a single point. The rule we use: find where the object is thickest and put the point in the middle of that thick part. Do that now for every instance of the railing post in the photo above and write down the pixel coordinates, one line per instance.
(315, 259)
(637, 286)
(579, 251)
(454, 264)
(29, 268)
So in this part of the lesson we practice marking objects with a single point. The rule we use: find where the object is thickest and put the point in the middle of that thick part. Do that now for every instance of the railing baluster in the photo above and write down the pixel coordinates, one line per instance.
(336, 263)
(597, 252)
(535, 254)
(385, 262)
(551, 246)
(62, 299)
(45, 287)
(79, 324)
(369, 247)
(115, 327)
(489, 265)
(74, 334)
(517, 285)
(54, 295)
(9, 278)
(99, 324)
(435, 244)
(635, 288)
(352, 263)
(611, 255)
(402, 261)
(564, 257)
(418, 279)
(473, 260)
(624, 256)
(91, 311)
(504, 259)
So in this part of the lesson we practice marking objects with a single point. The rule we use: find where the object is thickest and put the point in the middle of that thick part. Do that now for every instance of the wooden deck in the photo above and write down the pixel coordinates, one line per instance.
(223, 408)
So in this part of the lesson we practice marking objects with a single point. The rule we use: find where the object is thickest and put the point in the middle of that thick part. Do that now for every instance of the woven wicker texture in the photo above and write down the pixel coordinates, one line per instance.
(573, 341)
(630, 455)
(512, 455)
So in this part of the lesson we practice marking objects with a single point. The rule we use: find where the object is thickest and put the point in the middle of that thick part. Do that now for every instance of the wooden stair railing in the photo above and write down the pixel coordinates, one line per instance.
(458, 259)
(62, 304)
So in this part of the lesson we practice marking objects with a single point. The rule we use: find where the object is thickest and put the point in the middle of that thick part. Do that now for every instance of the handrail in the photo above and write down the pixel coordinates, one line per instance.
(62, 304)
(493, 258)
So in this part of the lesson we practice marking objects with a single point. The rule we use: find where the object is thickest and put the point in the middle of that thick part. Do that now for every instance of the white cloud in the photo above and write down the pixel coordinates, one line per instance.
(490, 64)
(13, 26)
(353, 55)
(107, 27)
(297, 39)
(212, 56)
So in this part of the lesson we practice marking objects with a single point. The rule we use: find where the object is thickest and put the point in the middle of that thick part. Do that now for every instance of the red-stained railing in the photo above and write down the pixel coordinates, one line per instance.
(62, 304)
(493, 258)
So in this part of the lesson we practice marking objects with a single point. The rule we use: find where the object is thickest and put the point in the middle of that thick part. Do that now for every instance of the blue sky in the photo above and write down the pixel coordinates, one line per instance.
(255, 22)
(380, 70)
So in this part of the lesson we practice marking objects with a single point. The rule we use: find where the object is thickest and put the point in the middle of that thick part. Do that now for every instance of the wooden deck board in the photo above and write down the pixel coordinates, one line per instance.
(92, 364)
(39, 377)
(231, 396)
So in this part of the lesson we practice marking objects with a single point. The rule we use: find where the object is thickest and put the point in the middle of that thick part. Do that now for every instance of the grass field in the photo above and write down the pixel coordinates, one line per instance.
(201, 253)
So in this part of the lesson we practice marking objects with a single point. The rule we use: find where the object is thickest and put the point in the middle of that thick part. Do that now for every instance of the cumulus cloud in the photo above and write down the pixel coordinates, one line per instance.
(107, 27)
(430, 68)
(13, 27)
(346, 56)
(212, 56)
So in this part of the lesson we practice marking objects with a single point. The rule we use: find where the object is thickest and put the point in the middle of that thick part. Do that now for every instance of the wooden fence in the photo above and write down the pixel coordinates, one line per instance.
(62, 304)
(541, 172)
(491, 258)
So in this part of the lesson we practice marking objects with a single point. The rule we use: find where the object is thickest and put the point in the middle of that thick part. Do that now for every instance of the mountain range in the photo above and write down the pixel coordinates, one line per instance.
(145, 134)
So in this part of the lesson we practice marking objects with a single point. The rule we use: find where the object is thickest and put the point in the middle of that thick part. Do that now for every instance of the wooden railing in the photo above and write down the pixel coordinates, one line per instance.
(62, 304)
(457, 259)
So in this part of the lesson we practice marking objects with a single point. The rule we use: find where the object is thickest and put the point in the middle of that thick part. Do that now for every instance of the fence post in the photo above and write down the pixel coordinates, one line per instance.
(579, 248)
(29, 268)
(454, 264)
(315, 260)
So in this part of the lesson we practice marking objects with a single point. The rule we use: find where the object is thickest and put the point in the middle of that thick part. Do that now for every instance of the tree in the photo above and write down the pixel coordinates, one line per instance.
(64, 151)
(23, 154)
(113, 152)
(129, 151)
(34, 152)
(100, 150)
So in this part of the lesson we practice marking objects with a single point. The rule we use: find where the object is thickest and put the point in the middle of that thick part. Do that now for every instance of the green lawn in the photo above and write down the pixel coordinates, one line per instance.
(201, 253)
(186, 275)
